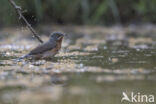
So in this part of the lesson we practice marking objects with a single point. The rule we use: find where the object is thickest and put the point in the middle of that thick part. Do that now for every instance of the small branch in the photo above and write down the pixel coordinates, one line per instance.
(19, 12)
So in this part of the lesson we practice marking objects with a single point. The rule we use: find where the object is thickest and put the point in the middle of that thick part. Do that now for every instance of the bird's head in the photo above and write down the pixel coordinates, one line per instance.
(57, 36)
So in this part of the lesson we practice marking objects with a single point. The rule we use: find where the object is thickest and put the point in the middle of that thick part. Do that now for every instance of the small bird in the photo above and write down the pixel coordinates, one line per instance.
(47, 49)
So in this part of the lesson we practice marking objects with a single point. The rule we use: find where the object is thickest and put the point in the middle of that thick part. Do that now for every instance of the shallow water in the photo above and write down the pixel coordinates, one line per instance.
(95, 65)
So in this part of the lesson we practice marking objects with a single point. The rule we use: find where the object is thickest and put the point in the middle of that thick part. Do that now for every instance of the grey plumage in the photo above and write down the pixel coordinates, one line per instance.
(43, 47)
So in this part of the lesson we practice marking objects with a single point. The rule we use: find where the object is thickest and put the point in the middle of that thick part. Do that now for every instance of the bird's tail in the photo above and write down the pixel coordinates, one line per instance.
(22, 57)
(25, 56)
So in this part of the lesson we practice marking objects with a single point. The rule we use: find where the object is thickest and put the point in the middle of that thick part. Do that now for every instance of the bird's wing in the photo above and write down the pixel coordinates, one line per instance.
(43, 48)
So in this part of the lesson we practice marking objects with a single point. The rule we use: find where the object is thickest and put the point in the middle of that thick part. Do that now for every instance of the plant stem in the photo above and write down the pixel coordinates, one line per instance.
(19, 12)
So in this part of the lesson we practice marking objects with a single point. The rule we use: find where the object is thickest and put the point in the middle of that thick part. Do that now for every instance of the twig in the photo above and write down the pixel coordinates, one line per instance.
(19, 12)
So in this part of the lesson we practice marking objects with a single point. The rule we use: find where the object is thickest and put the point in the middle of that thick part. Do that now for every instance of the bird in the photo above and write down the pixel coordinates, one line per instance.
(48, 49)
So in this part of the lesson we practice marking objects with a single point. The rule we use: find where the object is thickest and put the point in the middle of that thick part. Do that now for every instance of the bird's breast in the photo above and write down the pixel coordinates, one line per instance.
(53, 51)
(58, 44)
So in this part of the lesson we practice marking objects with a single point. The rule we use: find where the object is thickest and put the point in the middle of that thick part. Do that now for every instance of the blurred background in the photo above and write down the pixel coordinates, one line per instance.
(80, 12)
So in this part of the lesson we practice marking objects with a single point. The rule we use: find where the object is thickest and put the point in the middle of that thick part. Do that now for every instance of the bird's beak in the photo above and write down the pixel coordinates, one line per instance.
(61, 37)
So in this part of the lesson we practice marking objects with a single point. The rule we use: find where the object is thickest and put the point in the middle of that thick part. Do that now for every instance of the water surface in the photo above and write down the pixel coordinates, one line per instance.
(95, 65)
